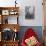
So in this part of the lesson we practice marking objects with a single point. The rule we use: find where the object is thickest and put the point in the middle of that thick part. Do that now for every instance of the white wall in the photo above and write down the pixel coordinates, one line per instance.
(38, 21)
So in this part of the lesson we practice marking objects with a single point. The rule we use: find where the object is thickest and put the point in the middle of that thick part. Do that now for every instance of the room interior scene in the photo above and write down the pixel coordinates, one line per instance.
(22, 22)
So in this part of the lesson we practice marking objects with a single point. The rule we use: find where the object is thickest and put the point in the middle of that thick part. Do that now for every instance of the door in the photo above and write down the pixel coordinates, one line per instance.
(44, 6)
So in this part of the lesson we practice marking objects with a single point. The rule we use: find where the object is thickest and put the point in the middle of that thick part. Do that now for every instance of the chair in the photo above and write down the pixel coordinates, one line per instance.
(29, 33)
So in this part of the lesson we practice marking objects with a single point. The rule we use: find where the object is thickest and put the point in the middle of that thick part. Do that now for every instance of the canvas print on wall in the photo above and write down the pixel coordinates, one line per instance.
(29, 12)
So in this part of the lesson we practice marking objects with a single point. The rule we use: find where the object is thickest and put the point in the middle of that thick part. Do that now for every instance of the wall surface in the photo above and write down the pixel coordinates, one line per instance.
(37, 21)
(36, 29)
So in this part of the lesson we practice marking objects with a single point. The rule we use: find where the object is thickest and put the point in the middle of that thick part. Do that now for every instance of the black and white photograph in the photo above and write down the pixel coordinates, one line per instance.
(29, 12)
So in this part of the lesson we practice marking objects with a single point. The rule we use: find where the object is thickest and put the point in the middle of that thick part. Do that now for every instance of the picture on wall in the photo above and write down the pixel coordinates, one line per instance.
(29, 12)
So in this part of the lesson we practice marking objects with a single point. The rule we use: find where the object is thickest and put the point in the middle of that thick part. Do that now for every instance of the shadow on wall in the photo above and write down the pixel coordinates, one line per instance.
(37, 29)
